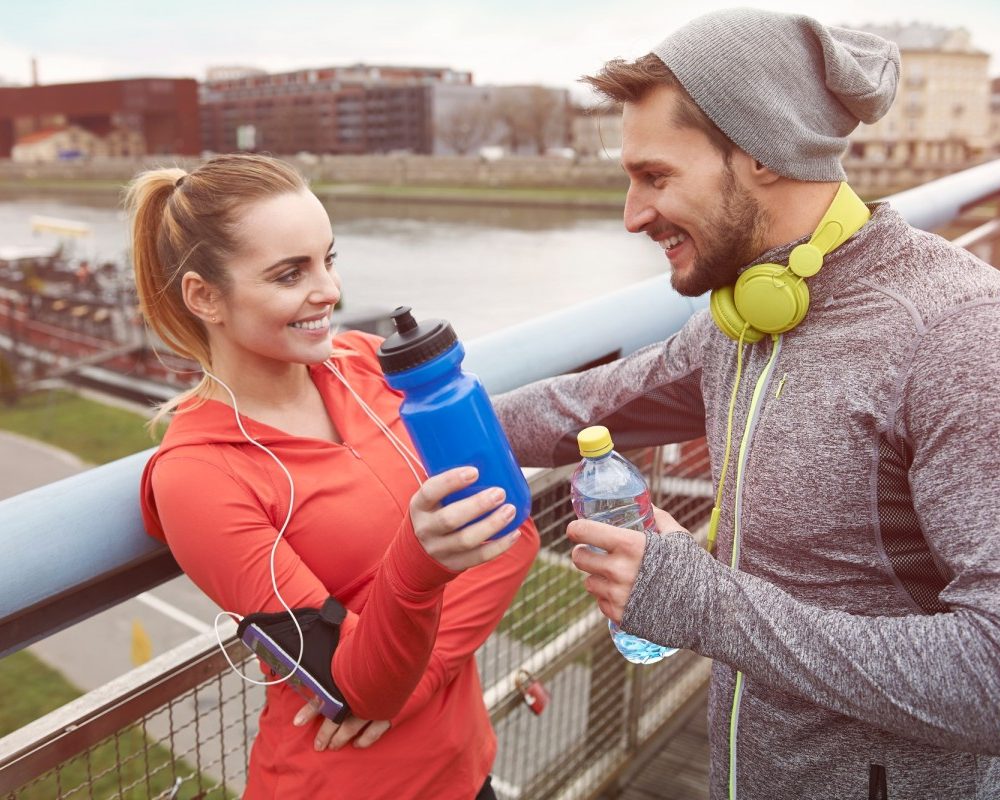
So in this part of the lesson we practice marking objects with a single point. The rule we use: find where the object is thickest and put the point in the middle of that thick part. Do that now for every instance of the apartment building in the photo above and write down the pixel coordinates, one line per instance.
(340, 110)
(941, 115)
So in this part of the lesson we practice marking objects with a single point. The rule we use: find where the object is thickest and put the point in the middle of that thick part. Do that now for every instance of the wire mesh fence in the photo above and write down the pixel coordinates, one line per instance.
(183, 728)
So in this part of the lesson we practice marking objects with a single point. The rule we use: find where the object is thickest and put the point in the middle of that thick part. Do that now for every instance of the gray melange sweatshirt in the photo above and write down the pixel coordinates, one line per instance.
(876, 417)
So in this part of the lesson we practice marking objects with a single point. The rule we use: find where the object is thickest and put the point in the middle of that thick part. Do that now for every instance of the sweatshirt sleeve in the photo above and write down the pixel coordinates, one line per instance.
(650, 397)
(222, 539)
(930, 677)
(474, 603)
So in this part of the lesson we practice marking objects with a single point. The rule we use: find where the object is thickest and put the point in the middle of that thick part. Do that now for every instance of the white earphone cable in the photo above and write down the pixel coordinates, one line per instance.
(274, 548)
(411, 461)
(394, 440)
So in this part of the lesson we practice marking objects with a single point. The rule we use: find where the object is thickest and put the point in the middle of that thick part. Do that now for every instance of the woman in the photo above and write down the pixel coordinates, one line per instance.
(234, 268)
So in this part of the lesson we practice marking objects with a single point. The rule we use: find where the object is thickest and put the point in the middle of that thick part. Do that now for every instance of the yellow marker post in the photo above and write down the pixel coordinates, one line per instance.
(142, 646)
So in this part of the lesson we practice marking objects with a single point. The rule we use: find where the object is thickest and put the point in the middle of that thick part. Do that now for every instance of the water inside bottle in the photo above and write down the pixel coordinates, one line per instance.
(636, 649)
(634, 516)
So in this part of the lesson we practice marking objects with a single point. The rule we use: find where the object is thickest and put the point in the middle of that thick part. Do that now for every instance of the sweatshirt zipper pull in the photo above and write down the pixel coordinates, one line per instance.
(357, 455)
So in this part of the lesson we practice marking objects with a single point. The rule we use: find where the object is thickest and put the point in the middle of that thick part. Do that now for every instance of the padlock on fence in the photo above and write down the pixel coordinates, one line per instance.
(536, 697)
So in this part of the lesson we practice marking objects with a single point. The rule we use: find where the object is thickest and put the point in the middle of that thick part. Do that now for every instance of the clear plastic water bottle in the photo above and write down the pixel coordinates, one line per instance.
(607, 487)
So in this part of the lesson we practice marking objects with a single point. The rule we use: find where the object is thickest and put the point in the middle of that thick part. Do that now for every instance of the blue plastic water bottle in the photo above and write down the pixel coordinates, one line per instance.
(607, 487)
(447, 411)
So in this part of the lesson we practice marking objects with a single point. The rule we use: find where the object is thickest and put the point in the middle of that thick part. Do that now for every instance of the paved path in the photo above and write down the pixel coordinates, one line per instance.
(100, 648)
(26, 464)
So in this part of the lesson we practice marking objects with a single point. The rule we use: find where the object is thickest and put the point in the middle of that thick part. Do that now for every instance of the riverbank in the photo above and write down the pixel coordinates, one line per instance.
(530, 182)
(514, 181)
(556, 197)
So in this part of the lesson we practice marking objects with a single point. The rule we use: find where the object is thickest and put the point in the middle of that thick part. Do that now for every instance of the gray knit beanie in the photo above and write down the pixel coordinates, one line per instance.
(784, 88)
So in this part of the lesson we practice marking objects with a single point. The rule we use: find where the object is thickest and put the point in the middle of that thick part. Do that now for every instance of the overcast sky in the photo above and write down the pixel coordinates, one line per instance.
(551, 42)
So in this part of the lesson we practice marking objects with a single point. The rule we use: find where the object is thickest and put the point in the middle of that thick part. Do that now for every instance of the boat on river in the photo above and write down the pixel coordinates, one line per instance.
(64, 315)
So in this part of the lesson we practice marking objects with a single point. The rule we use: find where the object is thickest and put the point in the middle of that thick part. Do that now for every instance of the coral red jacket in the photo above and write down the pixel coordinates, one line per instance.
(407, 646)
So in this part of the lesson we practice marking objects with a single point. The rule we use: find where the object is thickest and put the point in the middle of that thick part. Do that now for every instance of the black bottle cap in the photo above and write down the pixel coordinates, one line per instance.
(414, 343)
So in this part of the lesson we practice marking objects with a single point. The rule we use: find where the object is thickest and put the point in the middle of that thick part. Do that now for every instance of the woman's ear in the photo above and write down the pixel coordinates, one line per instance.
(200, 297)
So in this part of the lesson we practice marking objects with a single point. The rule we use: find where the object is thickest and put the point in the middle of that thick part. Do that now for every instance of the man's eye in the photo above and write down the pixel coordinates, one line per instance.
(658, 181)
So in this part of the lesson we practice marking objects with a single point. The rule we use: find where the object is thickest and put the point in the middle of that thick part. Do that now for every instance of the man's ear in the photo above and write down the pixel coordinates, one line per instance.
(752, 172)
(200, 297)
(763, 176)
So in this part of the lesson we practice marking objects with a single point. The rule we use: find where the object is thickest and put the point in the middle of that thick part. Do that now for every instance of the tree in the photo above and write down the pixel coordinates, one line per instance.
(532, 115)
(465, 128)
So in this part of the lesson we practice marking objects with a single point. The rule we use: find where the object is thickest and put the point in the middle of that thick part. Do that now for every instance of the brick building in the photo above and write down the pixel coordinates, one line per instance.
(163, 111)
(340, 110)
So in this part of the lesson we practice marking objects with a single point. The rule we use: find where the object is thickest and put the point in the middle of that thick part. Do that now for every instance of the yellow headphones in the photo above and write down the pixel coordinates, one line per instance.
(771, 298)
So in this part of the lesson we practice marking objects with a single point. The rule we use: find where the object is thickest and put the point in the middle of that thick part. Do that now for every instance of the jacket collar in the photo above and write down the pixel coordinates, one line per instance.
(860, 256)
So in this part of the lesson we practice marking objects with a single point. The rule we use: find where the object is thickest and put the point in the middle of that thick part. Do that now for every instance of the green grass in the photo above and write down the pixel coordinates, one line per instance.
(551, 598)
(555, 195)
(94, 432)
(30, 689)
(559, 196)
(83, 184)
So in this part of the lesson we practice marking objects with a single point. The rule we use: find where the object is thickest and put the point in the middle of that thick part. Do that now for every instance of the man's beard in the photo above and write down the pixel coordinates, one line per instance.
(732, 237)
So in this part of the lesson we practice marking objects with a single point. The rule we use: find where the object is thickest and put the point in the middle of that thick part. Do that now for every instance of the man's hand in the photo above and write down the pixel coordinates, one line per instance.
(333, 736)
(612, 573)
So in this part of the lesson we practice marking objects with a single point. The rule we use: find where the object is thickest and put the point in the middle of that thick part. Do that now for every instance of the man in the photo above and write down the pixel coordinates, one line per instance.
(848, 396)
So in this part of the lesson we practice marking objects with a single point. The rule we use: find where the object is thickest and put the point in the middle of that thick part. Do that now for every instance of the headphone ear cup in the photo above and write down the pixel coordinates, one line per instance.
(728, 319)
(771, 298)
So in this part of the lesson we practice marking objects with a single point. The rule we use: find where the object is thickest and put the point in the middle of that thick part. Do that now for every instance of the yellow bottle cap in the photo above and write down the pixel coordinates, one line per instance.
(594, 441)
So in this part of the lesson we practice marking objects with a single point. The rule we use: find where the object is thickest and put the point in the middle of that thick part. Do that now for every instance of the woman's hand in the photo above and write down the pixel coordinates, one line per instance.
(333, 736)
(445, 532)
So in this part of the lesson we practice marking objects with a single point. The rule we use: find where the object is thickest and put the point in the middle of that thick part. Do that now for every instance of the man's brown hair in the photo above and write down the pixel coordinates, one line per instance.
(630, 81)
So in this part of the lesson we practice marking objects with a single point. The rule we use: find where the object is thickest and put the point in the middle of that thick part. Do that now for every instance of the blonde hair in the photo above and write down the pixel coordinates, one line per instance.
(183, 222)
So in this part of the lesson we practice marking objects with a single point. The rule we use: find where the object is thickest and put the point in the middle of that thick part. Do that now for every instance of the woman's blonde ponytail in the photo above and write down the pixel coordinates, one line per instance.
(181, 222)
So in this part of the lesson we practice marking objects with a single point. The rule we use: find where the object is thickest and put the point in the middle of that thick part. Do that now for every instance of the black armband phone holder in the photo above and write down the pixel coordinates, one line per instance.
(274, 639)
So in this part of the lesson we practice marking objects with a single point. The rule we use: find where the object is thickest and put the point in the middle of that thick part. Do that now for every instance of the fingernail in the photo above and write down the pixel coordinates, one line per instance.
(470, 474)
(299, 720)
(508, 511)
(318, 744)
(496, 495)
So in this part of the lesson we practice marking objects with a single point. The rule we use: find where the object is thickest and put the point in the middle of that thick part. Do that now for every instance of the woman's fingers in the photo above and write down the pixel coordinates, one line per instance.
(372, 733)
(487, 552)
(437, 487)
(348, 729)
(309, 711)
(326, 733)
(470, 546)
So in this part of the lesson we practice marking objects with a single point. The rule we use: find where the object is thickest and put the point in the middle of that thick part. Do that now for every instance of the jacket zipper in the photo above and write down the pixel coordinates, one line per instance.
(748, 429)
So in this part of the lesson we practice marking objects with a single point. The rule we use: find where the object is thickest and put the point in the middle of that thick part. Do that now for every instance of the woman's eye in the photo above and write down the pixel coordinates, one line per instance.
(331, 258)
(290, 276)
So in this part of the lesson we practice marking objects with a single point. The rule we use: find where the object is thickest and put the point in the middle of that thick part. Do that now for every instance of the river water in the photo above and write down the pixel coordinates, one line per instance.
(482, 268)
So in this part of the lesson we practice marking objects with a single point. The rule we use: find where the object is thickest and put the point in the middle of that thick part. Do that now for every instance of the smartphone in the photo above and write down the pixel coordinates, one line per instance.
(282, 663)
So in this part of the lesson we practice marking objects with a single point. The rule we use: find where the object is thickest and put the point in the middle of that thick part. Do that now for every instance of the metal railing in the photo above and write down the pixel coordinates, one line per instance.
(180, 725)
